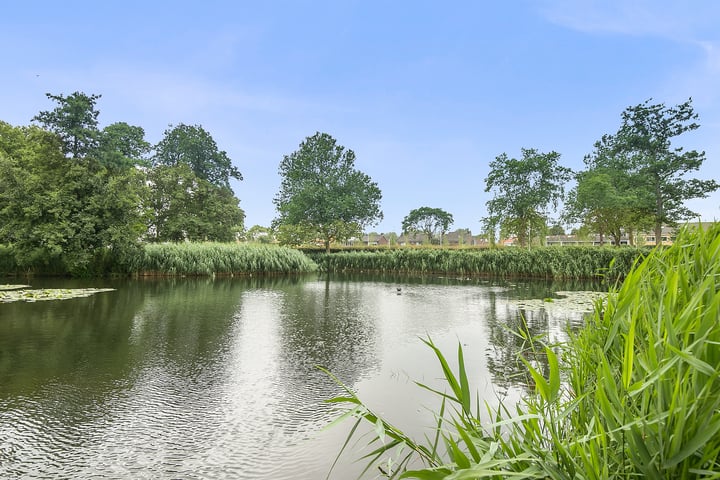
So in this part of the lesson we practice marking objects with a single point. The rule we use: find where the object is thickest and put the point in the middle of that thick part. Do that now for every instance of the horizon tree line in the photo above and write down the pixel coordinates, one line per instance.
(72, 193)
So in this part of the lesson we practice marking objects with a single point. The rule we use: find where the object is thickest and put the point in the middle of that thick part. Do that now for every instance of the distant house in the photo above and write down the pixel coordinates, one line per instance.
(368, 240)
(480, 241)
(375, 240)
(640, 239)
(458, 237)
(509, 242)
(412, 239)
(667, 238)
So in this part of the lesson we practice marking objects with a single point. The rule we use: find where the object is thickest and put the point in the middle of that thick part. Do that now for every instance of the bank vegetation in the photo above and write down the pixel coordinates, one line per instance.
(633, 394)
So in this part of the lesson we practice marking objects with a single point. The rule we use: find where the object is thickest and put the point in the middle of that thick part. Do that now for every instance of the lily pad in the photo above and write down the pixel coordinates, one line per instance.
(580, 301)
(23, 295)
(7, 286)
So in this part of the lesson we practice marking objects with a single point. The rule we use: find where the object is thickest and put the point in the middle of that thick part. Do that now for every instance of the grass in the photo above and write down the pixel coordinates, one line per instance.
(219, 259)
(633, 394)
(543, 262)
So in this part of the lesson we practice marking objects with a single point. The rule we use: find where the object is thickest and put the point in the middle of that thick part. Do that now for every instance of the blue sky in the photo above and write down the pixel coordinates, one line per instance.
(426, 93)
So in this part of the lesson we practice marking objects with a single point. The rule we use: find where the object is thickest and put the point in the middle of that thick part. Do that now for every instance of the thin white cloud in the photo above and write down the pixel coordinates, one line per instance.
(692, 23)
(665, 18)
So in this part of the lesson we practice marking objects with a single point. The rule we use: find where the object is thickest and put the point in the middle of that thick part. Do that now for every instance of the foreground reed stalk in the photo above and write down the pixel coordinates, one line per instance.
(634, 394)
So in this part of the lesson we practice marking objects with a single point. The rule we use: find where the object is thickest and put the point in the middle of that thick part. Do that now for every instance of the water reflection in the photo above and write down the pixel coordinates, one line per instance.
(217, 378)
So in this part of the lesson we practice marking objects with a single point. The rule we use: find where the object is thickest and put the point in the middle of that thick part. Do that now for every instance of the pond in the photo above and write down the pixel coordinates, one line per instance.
(204, 378)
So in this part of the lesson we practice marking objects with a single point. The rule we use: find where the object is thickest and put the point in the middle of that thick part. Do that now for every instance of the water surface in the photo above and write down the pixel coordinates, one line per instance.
(217, 378)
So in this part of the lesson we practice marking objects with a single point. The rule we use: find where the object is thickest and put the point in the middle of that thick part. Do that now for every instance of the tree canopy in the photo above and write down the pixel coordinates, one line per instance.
(64, 215)
(185, 207)
(194, 146)
(74, 120)
(429, 221)
(123, 146)
(322, 195)
(72, 199)
(191, 198)
(643, 146)
(522, 191)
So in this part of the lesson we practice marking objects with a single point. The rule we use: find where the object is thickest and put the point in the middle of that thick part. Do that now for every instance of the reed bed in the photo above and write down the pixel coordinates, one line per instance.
(634, 394)
(219, 259)
(546, 262)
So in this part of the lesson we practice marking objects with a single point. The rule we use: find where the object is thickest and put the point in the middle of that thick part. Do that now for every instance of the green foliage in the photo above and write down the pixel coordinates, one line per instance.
(7, 261)
(430, 221)
(556, 229)
(633, 394)
(322, 195)
(219, 259)
(186, 207)
(192, 145)
(123, 146)
(61, 214)
(659, 170)
(74, 120)
(260, 234)
(543, 262)
(522, 190)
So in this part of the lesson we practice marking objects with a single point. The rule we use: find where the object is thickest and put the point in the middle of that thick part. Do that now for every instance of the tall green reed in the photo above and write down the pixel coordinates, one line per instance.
(544, 262)
(210, 258)
(633, 394)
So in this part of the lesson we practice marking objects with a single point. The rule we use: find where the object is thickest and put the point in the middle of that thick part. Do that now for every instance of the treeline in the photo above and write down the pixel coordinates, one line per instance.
(82, 200)
(635, 179)
(77, 199)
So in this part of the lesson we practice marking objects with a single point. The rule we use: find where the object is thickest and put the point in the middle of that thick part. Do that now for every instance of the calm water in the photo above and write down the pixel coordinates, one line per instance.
(212, 379)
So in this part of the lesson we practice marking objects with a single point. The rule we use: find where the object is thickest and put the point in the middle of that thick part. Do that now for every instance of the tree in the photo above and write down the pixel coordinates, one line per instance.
(607, 197)
(260, 234)
(74, 120)
(522, 190)
(429, 221)
(186, 207)
(123, 146)
(64, 215)
(644, 142)
(190, 182)
(556, 229)
(194, 146)
(323, 193)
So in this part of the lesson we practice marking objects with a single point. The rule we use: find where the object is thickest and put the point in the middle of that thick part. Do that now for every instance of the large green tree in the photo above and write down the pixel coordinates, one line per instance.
(123, 146)
(607, 198)
(432, 222)
(322, 195)
(74, 120)
(644, 143)
(60, 214)
(186, 207)
(194, 146)
(191, 198)
(523, 189)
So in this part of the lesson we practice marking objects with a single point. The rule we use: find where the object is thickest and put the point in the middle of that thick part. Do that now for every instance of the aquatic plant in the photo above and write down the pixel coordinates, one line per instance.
(545, 262)
(633, 394)
(209, 258)
(23, 293)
